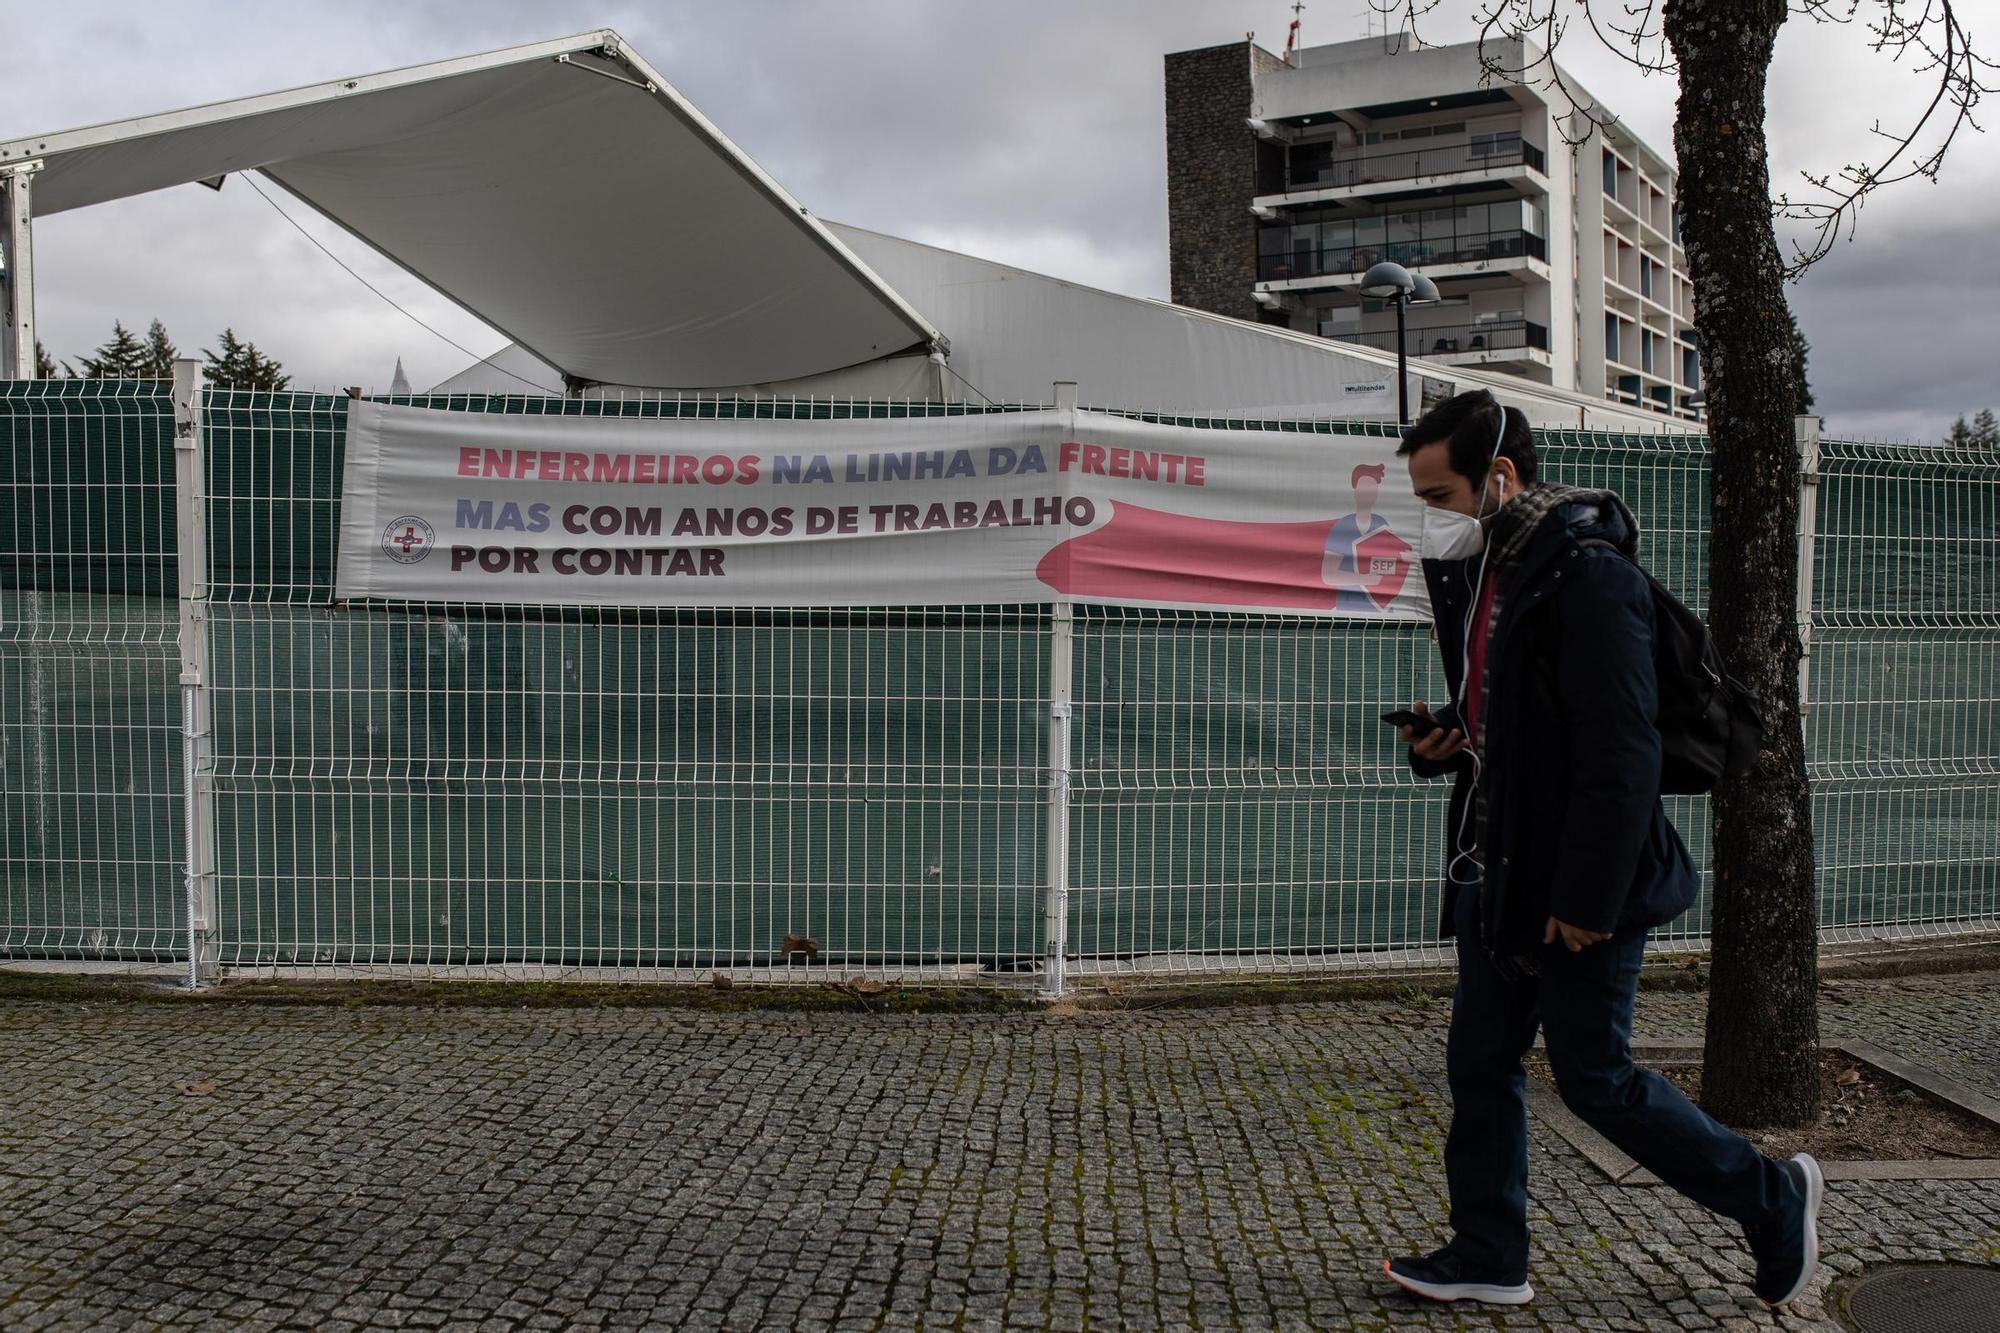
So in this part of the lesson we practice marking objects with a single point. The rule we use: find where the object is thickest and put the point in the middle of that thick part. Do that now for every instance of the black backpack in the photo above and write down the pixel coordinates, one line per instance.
(1709, 725)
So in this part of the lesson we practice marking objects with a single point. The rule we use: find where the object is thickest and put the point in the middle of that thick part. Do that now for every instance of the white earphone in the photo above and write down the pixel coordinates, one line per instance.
(1461, 852)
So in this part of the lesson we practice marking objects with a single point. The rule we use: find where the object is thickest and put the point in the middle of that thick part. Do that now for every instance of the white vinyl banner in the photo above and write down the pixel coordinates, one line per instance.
(1004, 507)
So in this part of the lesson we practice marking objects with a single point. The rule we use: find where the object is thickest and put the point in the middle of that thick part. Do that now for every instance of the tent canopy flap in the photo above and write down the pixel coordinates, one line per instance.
(600, 221)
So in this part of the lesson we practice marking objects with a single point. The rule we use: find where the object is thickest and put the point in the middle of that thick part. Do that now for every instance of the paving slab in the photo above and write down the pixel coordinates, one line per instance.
(494, 1168)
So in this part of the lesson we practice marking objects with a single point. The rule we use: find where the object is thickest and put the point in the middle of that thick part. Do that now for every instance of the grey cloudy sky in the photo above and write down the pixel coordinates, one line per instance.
(1029, 131)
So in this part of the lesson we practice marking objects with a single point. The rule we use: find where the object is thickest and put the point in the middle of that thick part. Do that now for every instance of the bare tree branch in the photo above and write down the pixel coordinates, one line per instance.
(1930, 32)
(1640, 33)
(1934, 35)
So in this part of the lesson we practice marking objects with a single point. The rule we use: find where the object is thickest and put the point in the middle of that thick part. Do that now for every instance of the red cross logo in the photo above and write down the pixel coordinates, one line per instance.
(407, 539)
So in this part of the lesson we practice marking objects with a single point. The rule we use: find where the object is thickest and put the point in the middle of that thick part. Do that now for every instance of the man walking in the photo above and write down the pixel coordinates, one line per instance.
(1559, 857)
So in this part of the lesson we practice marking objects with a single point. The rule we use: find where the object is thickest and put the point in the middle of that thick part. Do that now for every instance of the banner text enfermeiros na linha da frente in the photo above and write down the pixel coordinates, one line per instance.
(1005, 507)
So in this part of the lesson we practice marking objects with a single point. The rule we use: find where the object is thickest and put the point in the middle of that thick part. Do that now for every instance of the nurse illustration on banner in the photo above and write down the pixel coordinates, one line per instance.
(1354, 565)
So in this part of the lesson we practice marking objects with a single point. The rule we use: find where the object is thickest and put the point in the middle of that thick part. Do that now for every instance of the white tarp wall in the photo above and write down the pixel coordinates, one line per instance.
(1013, 333)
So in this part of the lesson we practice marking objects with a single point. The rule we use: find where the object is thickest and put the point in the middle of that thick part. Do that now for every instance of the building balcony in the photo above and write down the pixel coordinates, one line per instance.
(1479, 249)
(1487, 343)
(1385, 172)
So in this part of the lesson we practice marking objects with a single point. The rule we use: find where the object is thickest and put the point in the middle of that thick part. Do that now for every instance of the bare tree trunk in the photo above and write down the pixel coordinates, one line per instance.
(1762, 1057)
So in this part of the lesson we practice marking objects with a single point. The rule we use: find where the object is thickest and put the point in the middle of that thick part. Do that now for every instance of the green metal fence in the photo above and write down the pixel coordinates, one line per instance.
(91, 845)
(669, 792)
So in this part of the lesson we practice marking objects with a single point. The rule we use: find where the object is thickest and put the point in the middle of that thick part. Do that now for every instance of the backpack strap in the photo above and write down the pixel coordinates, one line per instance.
(1619, 551)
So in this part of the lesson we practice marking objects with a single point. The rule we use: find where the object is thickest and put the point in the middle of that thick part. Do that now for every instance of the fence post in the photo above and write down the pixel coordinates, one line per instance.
(1062, 650)
(1805, 431)
(191, 561)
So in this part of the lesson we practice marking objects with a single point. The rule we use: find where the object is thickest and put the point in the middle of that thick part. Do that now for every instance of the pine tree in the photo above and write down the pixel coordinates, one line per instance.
(1985, 430)
(241, 366)
(122, 358)
(1805, 385)
(224, 369)
(1961, 435)
(45, 365)
(159, 355)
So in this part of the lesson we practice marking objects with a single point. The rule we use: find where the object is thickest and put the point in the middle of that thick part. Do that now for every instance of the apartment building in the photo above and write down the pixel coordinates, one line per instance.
(1551, 235)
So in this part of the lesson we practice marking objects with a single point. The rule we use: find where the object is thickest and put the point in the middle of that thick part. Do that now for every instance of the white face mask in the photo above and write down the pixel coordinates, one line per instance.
(1449, 535)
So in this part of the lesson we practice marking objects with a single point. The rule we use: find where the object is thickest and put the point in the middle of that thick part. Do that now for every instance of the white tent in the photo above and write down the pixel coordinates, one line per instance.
(562, 192)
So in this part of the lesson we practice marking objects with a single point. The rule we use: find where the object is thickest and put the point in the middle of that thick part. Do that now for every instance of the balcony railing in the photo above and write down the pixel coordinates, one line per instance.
(1350, 171)
(1449, 340)
(1475, 248)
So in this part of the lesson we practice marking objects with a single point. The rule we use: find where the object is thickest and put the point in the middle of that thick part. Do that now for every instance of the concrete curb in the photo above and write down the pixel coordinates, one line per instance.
(1619, 1169)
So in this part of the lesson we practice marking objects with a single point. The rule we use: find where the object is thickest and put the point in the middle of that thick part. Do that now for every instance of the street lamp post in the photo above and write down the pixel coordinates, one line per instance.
(1392, 282)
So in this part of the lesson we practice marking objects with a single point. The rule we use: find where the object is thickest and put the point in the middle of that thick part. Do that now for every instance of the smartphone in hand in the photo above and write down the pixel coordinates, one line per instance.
(1419, 725)
(1445, 719)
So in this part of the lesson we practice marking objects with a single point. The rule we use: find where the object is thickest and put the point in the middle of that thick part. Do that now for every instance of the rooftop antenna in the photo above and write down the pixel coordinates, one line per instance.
(1292, 34)
(1393, 39)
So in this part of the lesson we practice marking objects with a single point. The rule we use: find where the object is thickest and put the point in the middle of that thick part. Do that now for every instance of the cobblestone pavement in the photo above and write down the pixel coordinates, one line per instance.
(541, 1168)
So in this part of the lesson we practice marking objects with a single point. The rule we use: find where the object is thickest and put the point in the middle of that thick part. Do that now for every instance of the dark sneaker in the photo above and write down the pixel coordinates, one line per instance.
(1787, 1251)
(1443, 1276)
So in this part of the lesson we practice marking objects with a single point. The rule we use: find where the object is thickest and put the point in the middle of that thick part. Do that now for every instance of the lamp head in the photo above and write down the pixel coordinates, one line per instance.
(1387, 280)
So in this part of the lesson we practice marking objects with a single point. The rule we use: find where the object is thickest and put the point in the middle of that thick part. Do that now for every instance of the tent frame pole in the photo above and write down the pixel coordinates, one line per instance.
(17, 245)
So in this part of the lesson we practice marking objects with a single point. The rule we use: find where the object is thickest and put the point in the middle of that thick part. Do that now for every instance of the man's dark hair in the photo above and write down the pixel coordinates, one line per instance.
(1466, 423)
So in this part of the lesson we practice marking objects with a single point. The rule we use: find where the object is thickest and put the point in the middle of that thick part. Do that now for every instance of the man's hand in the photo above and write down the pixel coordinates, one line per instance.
(1437, 745)
(1574, 938)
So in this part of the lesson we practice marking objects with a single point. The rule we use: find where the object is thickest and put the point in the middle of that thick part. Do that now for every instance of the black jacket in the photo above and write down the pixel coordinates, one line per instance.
(1574, 825)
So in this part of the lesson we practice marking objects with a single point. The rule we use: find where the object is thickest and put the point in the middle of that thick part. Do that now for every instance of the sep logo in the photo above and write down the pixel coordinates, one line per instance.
(407, 539)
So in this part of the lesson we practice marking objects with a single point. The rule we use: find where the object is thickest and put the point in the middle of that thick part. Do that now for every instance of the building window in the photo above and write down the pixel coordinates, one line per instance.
(1611, 337)
(1271, 251)
(1610, 174)
(1412, 132)
(1319, 242)
(1496, 145)
(1310, 163)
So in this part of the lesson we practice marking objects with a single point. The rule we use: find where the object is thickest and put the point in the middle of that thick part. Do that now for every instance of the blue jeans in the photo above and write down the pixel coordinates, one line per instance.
(1583, 1004)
